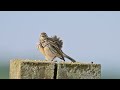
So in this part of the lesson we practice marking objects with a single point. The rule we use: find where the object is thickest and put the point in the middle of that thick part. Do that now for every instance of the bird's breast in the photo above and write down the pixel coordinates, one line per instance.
(49, 54)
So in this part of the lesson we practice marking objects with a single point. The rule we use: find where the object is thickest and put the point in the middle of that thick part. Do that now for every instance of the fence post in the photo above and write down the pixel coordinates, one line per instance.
(78, 71)
(40, 69)
(31, 69)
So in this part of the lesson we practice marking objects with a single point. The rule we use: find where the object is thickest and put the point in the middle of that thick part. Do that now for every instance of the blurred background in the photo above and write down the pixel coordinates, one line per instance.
(87, 36)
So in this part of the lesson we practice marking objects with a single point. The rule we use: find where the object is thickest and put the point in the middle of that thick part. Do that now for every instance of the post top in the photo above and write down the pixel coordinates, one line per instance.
(44, 61)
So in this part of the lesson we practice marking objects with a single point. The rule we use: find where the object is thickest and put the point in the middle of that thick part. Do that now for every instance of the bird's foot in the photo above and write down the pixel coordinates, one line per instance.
(62, 61)
(46, 60)
(53, 60)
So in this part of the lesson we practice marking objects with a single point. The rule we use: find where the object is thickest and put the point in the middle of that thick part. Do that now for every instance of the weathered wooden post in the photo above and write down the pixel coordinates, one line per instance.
(40, 69)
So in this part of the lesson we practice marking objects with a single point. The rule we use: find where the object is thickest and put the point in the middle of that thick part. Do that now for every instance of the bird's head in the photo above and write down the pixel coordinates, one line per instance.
(43, 36)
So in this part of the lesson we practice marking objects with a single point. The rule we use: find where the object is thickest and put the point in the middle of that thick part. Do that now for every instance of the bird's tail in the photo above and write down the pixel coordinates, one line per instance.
(69, 57)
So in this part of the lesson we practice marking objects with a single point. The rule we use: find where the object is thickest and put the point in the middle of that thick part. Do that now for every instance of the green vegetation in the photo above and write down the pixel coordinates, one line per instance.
(4, 72)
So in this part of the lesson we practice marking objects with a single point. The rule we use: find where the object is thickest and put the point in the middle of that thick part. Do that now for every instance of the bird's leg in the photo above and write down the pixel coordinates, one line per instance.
(53, 58)
(63, 60)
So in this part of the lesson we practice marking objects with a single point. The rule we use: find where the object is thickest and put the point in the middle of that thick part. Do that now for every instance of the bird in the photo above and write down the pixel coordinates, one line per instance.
(51, 47)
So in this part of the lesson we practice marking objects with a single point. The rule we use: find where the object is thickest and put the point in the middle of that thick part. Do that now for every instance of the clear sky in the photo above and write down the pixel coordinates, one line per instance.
(87, 36)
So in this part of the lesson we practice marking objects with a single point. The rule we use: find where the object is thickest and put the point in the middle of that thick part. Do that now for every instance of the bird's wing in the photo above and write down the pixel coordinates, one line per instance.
(55, 49)
(57, 40)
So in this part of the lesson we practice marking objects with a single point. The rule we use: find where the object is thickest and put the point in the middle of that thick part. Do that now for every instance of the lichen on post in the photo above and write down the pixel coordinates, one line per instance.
(41, 69)
(78, 71)
(31, 69)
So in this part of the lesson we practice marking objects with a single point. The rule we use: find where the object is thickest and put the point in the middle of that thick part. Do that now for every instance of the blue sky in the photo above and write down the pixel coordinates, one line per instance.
(87, 36)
